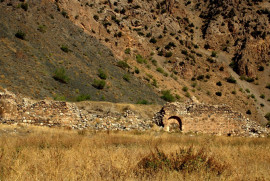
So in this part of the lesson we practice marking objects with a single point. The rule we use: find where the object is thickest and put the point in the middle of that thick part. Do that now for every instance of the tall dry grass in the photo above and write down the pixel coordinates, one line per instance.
(34, 153)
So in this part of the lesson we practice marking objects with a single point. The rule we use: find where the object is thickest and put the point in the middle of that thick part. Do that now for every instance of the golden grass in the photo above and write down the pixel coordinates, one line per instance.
(35, 153)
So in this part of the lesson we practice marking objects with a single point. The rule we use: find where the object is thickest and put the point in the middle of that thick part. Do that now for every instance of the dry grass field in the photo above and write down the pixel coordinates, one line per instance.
(39, 153)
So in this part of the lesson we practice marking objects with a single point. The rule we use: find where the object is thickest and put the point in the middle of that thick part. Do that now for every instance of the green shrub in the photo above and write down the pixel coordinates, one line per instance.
(126, 77)
(168, 54)
(262, 96)
(96, 17)
(145, 102)
(200, 77)
(42, 28)
(185, 89)
(99, 84)
(154, 62)
(140, 59)
(153, 40)
(184, 52)
(83, 97)
(261, 68)
(248, 112)
(267, 116)
(102, 74)
(122, 64)
(219, 83)
(177, 97)
(127, 51)
(267, 86)
(64, 48)
(24, 6)
(249, 79)
(20, 34)
(219, 94)
(154, 83)
(167, 96)
(60, 75)
(59, 98)
(65, 14)
(231, 80)
(214, 54)
(234, 92)
(160, 70)
(137, 71)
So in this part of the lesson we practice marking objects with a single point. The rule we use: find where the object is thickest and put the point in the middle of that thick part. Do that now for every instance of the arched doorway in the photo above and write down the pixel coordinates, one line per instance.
(174, 123)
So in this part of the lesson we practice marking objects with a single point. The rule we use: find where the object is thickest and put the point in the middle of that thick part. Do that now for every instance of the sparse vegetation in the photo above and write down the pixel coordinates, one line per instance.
(140, 59)
(219, 83)
(99, 84)
(145, 102)
(126, 77)
(122, 64)
(102, 74)
(214, 54)
(231, 80)
(127, 51)
(60, 75)
(65, 49)
(20, 34)
(83, 97)
(167, 96)
(24, 6)
(185, 89)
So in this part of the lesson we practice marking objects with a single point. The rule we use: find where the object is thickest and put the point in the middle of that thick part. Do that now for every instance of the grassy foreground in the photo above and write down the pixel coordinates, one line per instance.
(35, 153)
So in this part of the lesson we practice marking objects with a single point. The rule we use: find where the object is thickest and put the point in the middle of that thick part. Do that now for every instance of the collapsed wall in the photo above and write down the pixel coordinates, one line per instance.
(17, 110)
(204, 118)
(186, 117)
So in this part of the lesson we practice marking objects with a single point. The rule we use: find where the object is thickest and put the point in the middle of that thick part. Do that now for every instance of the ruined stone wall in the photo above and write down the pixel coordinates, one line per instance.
(204, 118)
(187, 117)
(14, 110)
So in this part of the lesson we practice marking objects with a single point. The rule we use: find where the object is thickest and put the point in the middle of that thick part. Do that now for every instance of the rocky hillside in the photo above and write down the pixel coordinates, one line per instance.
(218, 51)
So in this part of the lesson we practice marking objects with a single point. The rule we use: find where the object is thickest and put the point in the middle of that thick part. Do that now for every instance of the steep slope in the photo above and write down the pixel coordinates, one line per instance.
(217, 51)
(51, 57)
(180, 43)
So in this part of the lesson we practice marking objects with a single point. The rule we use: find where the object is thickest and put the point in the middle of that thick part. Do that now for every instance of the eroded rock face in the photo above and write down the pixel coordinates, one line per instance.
(204, 118)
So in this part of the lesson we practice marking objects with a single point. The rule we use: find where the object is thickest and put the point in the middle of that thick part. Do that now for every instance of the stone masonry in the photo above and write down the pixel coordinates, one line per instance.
(191, 116)
(197, 117)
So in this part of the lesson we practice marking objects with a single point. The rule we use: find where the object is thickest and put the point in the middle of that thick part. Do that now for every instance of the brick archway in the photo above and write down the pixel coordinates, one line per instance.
(173, 123)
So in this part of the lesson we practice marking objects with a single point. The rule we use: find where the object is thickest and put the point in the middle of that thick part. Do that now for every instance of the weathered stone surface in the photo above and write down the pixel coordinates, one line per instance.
(191, 116)
(204, 118)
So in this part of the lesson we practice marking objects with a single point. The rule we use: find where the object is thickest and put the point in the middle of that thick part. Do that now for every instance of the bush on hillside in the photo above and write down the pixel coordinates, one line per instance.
(167, 96)
(60, 75)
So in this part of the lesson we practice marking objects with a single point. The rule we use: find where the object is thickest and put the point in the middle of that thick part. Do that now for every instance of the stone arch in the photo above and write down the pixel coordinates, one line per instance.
(173, 123)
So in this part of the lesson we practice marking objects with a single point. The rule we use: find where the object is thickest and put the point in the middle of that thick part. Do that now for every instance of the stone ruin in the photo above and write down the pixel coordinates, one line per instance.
(17, 110)
(191, 116)
(198, 117)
